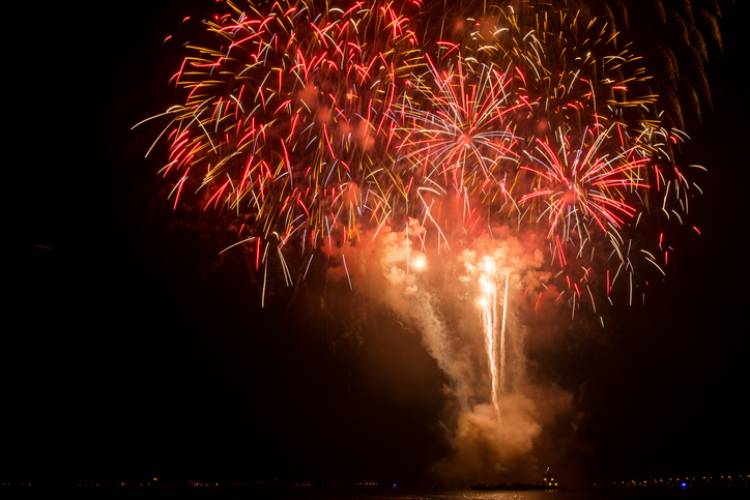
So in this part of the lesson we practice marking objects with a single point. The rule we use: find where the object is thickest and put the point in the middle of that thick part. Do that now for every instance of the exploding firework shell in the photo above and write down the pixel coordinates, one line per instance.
(541, 117)
(283, 121)
(307, 121)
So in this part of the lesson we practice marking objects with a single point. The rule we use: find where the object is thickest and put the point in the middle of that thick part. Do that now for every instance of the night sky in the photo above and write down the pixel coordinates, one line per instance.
(131, 349)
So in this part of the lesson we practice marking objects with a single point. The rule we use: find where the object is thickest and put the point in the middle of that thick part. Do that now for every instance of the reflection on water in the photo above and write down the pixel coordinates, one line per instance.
(322, 494)
(487, 495)
(484, 495)
(565, 495)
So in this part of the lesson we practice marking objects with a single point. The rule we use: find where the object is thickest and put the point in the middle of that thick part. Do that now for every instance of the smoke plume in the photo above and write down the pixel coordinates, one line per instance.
(436, 293)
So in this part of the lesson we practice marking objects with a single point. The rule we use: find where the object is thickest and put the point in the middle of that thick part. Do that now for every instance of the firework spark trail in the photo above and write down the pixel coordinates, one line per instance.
(488, 305)
(503, 367)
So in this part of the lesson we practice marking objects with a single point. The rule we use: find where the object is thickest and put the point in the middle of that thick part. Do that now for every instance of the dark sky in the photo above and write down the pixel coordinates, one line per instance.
(131, 349)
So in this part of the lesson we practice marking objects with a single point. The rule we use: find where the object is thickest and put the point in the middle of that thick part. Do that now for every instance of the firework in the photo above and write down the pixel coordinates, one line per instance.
(310, 124)
(543, 119)
(488, 303)
(283, 119)
(307, 122)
